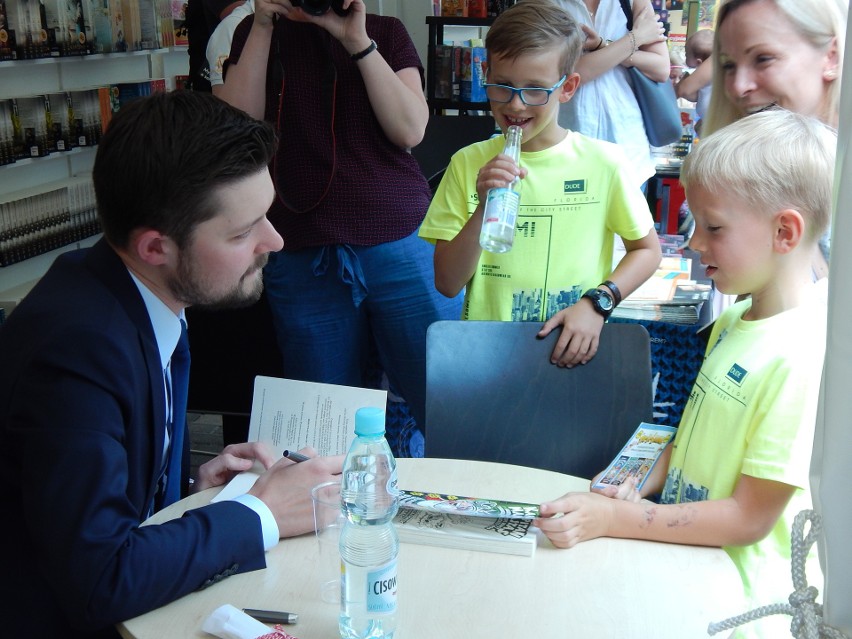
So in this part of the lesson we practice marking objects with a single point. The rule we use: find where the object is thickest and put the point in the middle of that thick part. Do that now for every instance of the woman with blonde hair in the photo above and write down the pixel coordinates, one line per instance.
(786, 53)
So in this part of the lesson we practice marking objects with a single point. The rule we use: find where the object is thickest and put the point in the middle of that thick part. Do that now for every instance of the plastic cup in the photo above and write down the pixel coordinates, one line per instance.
(328, 520)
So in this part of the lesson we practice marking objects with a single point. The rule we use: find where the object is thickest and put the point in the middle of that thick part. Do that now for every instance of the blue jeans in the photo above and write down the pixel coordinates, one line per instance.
(328, 302)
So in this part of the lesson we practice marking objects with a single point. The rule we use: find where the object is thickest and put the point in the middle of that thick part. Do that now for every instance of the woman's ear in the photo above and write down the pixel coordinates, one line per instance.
(789, 230)
(831, 62)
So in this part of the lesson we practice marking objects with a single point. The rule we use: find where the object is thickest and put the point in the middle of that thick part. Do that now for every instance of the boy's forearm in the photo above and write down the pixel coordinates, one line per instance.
(705, 523)
(639, 263)
(456, 259)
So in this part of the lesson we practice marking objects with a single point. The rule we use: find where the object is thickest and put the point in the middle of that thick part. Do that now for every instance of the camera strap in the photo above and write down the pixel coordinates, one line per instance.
(328, 91)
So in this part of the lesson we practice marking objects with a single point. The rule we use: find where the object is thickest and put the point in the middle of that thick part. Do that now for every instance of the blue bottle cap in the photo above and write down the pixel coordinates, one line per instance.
(369, 421)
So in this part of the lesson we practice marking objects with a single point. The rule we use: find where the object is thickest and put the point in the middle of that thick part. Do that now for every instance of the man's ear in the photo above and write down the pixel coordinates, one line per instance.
(789, 230)
(151, 246)
(569, 87)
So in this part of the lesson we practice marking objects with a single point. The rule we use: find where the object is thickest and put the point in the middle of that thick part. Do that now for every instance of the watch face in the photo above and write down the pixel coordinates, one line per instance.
(605, 300)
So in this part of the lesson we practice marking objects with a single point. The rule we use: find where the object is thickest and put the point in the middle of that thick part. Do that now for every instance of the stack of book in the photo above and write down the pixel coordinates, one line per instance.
(670, 295)
(466, 523)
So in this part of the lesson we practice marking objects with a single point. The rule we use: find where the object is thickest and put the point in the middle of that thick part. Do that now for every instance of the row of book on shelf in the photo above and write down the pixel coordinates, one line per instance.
(470, 8)
(57, 214)
(53, 28)
(37, 126)
(47, 217)
(460, 70)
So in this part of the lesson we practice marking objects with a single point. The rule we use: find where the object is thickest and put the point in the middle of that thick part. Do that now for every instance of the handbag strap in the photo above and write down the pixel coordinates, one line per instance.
(628, 13)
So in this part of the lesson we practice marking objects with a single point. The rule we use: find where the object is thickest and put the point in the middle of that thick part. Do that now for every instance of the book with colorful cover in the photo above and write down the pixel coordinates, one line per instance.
(447, 530)
(468, 506)
(468, 523)
(638, 456)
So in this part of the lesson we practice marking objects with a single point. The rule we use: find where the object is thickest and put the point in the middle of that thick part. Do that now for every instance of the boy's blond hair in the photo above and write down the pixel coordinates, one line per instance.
(535, 26)
(770, 161)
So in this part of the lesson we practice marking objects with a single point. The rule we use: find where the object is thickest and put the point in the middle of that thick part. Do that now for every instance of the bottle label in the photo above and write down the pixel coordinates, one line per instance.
(381, 589)
(501, 206)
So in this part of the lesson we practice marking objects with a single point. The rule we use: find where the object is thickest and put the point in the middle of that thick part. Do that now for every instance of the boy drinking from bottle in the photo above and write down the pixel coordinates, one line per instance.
(576, 193)
(736, 474)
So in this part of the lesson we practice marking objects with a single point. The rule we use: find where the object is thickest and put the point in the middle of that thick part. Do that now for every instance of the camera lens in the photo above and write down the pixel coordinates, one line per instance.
(314, 7)
(319, 7)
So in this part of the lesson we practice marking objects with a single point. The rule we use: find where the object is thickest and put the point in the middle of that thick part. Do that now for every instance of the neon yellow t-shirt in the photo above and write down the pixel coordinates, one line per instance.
(753, 411)
(576, 196)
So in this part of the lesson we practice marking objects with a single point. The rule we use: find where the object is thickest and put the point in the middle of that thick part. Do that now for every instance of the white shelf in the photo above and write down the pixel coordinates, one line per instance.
(23, 78)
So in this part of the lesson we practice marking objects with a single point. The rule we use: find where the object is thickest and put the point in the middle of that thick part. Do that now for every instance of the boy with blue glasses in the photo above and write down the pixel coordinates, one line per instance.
(576, 195)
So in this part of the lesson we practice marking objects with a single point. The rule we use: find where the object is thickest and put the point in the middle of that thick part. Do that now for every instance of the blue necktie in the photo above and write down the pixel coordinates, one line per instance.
(180, 388)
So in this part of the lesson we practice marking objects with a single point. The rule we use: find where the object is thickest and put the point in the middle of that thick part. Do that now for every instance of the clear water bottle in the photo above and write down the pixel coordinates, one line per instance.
(502, 203)
(369, 544)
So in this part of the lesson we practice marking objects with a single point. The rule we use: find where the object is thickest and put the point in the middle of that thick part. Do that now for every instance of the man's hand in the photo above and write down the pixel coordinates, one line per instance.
(581, 330)
(286, 489)
(233, 460)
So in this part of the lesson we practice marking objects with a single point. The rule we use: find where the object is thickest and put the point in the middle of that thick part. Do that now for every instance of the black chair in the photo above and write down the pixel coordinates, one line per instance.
(229, 348)
(446, 134)
(493, 395)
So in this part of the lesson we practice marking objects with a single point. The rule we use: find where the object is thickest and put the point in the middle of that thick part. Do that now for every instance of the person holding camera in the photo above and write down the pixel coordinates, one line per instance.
(344, 89)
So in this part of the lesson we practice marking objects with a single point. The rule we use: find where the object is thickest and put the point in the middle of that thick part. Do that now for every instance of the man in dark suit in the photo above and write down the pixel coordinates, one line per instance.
(86, 390)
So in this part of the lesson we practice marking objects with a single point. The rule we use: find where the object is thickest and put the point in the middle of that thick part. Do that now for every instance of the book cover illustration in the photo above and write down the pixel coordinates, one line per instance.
(467, 506)
(638, 456)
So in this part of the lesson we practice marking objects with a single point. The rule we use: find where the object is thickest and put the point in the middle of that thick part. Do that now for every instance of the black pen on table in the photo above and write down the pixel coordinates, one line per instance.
(294, 456)
(272, 616)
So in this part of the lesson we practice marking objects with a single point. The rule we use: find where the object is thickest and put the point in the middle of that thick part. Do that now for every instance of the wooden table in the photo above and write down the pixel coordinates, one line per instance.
(604, 588)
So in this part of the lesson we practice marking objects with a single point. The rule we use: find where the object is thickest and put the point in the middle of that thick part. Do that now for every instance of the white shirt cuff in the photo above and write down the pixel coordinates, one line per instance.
(268, 525)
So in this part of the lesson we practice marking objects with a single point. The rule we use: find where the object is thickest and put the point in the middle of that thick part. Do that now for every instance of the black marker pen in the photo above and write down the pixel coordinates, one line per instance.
(272, 616)
(296, 457)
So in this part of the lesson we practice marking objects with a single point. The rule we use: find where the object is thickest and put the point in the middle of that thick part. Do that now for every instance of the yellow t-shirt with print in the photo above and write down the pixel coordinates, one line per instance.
(753, 411)
(576, 196)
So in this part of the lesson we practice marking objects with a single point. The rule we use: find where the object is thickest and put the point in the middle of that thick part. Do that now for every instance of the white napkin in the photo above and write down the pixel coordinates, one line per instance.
(229, 622)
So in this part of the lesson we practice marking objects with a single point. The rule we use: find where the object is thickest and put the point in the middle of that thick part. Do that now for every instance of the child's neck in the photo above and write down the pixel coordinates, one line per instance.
(786, 291)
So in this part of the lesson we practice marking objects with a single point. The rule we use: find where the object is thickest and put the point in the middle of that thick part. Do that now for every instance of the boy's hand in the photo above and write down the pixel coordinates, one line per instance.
(581, 330)
(499, 172)
(584, 516)
(626, 491)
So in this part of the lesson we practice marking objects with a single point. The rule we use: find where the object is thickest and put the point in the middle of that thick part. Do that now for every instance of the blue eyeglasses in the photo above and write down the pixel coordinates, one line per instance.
(531, 96)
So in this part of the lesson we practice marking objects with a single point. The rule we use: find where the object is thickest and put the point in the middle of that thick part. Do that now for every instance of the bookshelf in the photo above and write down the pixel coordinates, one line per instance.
(36, 77)
(466, 27)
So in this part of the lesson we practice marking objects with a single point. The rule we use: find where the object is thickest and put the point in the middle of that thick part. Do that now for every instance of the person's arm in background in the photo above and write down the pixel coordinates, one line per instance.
(245, 81)
(581, 323)
(651, 55)
(396, 97)
(690, 84)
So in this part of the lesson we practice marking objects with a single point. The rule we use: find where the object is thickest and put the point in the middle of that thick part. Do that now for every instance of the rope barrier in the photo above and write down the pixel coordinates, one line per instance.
(806, 614)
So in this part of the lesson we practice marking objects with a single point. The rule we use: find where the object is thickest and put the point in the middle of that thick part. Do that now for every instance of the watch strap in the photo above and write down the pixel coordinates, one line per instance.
(594, 295)
(616, 293)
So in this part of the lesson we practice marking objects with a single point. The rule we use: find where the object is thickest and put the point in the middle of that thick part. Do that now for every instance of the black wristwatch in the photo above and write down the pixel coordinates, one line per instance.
(601, 300)
(616, 293)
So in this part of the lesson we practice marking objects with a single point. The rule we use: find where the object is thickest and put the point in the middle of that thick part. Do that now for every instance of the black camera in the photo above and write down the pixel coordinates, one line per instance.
(319, 7)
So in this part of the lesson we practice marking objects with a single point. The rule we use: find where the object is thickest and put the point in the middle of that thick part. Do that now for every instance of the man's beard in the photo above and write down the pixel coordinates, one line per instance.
(191, 288)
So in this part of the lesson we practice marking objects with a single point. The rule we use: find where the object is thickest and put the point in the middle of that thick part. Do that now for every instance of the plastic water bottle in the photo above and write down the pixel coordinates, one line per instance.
(369, 544)
(502, 203)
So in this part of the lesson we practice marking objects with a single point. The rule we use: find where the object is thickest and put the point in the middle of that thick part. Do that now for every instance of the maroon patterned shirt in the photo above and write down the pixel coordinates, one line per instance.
(377, 192)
